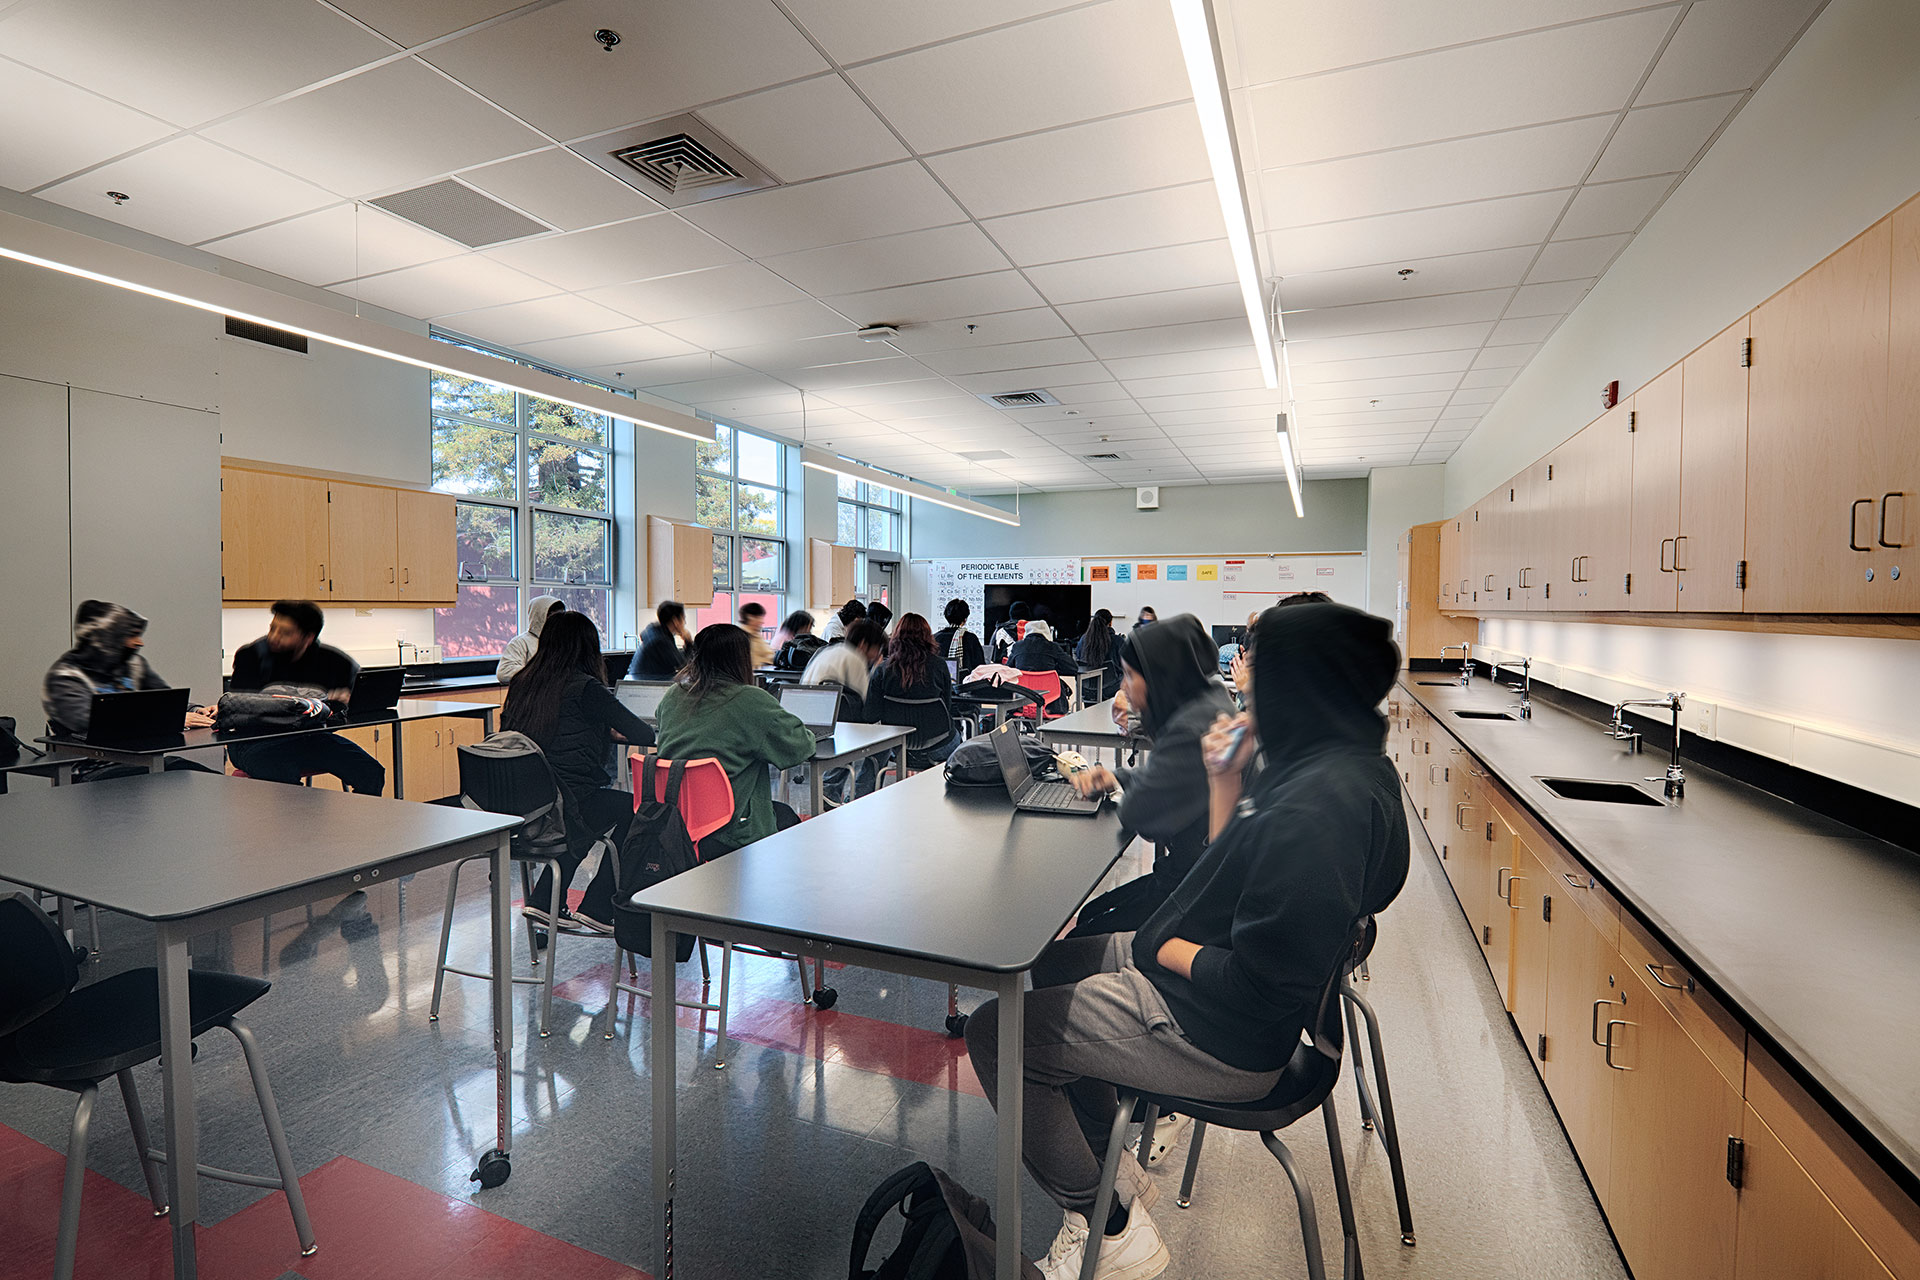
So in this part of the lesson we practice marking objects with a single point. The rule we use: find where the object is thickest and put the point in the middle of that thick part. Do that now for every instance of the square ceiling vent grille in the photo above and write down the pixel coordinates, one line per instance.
(677, 162)
(1017, 399)
(460, 213)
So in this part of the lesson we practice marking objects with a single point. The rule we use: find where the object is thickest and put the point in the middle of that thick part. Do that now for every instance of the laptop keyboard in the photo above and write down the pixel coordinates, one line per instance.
(1051, 795)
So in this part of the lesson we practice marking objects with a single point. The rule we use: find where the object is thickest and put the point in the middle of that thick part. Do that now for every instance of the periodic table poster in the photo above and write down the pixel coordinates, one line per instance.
(968, 580)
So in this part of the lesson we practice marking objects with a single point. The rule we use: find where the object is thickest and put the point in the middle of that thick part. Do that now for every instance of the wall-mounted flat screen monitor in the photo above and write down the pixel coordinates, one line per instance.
(1067, 608)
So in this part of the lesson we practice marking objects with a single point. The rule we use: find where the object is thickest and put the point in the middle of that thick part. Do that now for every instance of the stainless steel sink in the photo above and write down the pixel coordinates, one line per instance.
(1483, 715)
(1453, 682)
(1598, 790)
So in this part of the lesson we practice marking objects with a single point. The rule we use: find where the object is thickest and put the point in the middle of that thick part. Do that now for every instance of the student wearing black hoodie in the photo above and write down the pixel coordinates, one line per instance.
(1208, 999)
(1168, 675)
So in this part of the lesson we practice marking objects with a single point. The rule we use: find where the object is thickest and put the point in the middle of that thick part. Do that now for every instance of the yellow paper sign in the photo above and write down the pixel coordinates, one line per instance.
(1208, 573)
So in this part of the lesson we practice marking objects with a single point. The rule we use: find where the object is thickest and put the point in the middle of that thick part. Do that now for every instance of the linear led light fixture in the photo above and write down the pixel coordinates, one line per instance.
(821, 460)
(38, 244)
(1193, 19)
(1287, 460)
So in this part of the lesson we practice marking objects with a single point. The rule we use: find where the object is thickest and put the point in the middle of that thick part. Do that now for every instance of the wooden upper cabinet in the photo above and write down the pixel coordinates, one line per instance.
(1654, 506)
(1713, 475)
(1820, 455)
(832, 573)
(1607, 458)
(1897, 522)
(1448, 595)
(273, 536)
(429, 569)
(679, 562)
(363, 538)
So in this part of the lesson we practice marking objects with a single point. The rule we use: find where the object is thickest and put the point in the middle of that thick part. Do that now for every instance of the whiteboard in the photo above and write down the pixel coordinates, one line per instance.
(931, 583)
(1221, 590)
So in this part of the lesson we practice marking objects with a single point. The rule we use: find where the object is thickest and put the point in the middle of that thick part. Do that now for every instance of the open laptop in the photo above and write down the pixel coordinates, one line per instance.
(642, 697)
(617, 665)
(375, 690)
(144, 715)
(818, 708)
(1030, 795)
(953, 669)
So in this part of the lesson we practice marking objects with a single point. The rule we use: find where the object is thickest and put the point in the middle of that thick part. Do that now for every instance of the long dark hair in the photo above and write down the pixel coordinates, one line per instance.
(722, 657)
(569, 646)
(1098, 642)
(879, 615)
(852, 611)
(911, 649)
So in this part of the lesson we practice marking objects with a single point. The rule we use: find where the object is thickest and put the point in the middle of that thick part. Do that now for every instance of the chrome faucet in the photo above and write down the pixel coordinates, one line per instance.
(1466, 661)
(1675, 778)
(1524, 688)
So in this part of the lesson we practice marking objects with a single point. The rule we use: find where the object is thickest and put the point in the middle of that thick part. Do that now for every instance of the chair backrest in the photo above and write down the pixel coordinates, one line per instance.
(1045, 683)
(496, 778)
(706, 794)
(37, 964)
(930, 719)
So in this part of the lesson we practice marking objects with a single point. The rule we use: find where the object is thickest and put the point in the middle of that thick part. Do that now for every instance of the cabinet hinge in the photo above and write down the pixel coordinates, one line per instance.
(1629, 584)
(1736, 1162)
(1740, 575)
(1486, 935)
(1549, 591)
(1633, 421)
(1443, 853)
(1540, 1045)
(1746, 353)
(1549, 471)
(1489, 831)
(1546, 907)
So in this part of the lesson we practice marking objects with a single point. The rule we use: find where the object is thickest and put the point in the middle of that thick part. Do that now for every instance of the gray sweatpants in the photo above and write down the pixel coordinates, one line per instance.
(1094, 1021)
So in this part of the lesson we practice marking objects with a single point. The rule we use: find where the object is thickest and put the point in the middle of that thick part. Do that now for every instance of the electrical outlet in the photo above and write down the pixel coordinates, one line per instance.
(1699, 719)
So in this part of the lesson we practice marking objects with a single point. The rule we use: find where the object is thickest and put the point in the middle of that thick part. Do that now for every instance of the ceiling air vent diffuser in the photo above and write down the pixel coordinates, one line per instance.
(1106, 457)
(677, 162)
(1018, 399)
(460, 213)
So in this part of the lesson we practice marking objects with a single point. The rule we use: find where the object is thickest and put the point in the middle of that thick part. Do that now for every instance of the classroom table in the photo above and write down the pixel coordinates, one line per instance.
(1092, 727)
(849, 744)
(153, 754)
(215, 851)
(1098, 675)
(993, 707)
(953, 886)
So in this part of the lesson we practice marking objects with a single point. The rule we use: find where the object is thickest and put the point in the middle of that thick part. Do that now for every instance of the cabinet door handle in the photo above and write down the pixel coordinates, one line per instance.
(1666, 545)
(1883, 519)
(406, 577)
(1611, 1024)
(1677, 566)
(389, 573)
(1500, 893)
(1512, 881)
(1653, 971)
(323, 572)
(1460, 816)
(436, 737)
(1593, 1031)
(1568, 877)
(1853, 522)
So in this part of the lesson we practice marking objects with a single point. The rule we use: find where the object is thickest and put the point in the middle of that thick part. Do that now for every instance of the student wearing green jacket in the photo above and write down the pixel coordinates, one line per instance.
(717, 710)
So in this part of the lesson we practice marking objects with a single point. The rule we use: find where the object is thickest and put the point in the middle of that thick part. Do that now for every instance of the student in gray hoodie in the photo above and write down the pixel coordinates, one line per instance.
(524, 645)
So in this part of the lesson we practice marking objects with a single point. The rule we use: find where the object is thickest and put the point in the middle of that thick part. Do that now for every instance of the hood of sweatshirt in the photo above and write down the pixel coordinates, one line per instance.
(101, 638)
(1319, 674)
(538, 611)
(1178, 660)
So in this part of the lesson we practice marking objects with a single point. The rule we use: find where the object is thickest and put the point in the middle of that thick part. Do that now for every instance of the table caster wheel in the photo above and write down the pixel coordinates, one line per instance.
(956, 1025)
(81, 955)
(823, 997)
(495, 1168)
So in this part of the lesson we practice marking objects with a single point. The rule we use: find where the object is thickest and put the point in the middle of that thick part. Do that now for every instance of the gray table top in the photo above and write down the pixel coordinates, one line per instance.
(1778, 910)
(173, 845)
(1093, 724)
(913, 869)
(852, 739)
(205, 739)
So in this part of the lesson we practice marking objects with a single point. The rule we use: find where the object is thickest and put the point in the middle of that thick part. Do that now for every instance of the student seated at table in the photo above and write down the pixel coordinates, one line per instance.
(1038, 652)
(911, 668)
(1146, 619)
(663, 643)
(521, 647)
(956, 643)
(880, 616)
(1169, 680)
(1007, 634)
(753, 621)
(105, 658)
(1098, 648)
(795, 644)
(717, 710)
(1208, 998)
(848, 614)
(291, 654)
(560, 699)
(849, 664)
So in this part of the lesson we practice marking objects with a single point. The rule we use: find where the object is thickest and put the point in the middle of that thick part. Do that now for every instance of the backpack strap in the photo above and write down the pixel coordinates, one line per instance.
(647, 795)
(894, 1191)
(675, 772)
(941, 1238)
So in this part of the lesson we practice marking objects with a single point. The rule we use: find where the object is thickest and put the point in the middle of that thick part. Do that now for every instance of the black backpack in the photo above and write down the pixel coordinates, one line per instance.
(796, 653)
(657, 848)
(974, 763)
(948, 1233)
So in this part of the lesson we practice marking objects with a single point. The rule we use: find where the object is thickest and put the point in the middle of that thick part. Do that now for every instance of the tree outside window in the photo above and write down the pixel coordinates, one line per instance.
(738, 493)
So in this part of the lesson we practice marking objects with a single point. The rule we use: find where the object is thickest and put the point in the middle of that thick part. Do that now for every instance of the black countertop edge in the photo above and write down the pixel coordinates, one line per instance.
(1894, 1154)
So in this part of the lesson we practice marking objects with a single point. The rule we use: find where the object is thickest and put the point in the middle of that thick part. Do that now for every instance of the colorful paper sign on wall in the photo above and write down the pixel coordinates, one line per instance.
(1123, 573)
(1233, 570)
(1148, 573)
(1101, 573)
(1176, 573)
(1208, 573)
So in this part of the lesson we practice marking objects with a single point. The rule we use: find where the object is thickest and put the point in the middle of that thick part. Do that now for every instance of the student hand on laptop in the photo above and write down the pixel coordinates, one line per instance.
(1094, 781)
(199, 717)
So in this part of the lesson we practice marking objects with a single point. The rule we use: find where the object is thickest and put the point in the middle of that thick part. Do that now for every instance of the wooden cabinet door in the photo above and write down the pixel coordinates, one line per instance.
(1583, 972)
(1668, 1198)
(1606, 453)
(1496, 931)
(1713, 475)
(428, 557)
(1897, 521)
(1788, 1229)
(1654, 509)
(423, 760)
(363, 536)
(376, 741)
(273, 536)
(1447, 599)
(1529, 890)
(1556, 517)
(1818, 435)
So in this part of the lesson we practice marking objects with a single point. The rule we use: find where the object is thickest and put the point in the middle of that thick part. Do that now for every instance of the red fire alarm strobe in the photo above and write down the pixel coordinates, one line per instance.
(1610, 395)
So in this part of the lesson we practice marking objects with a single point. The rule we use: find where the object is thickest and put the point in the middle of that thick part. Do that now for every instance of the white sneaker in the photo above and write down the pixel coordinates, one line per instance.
(1137, 1253)
(1167, 1132)
(1143, 1191)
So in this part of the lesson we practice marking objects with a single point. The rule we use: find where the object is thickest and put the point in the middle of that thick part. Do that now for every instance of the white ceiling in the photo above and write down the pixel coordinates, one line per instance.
(1019, 185)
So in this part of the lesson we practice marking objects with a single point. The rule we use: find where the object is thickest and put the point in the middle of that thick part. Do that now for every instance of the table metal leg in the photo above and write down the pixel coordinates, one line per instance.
(176, 1063)
(487, 720)
(815, 771)
(494, 1167)
(661, 1014)
(399, 762)
(156, 764)
(1006, 1191)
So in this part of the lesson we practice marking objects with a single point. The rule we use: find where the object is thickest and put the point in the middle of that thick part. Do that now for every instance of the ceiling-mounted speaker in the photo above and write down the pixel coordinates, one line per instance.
(1147, 498)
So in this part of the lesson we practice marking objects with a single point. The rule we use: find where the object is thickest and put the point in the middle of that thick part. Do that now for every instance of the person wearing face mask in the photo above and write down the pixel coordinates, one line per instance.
(105, 658)
(1208, 999)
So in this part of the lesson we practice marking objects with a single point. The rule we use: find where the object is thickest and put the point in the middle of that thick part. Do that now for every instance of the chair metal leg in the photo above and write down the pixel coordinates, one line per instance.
(1343, 1191)
(142, 1143)
(1148, 1124)
(706, 973)
(806, 991)
(276, 1137)
(1389, 1127)
(68, 1241)
(1367, 1110)
(553, 953)
(726, 976)
(620, 957)
(1109, 1173)
(446, 941)
(1193, 1164)
(1303, 1195)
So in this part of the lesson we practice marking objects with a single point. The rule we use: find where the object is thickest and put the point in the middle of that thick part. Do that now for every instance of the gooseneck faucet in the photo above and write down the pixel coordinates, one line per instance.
(1675, 778)
(1466, 661)
(1524, 688)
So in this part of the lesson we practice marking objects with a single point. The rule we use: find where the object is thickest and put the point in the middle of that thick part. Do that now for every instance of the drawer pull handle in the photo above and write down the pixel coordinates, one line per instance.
(1883, 519)
(1513, 880)
(1568, 877)
(1593, 1031)
(1853, 522)
(1653, 971)
(1460, 816)
(1666, 545)
(1500, 892)
(1611, 1024)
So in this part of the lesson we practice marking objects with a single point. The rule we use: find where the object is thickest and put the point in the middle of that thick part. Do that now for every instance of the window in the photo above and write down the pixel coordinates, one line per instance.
(871, 516)
(534, 514)
(739, 493)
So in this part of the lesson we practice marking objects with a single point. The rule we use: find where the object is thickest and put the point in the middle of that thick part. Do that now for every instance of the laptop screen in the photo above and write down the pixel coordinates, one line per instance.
(1013, 759)
(817, 708)
(953, 669)
(643, 699)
